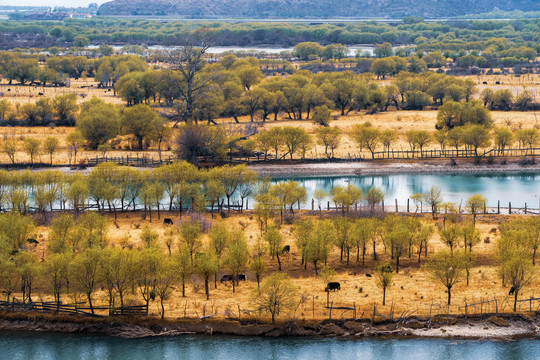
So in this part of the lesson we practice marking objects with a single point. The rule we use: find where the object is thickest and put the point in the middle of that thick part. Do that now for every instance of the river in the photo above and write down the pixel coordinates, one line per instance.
(516, 188)
(32, 346)
(353, 49)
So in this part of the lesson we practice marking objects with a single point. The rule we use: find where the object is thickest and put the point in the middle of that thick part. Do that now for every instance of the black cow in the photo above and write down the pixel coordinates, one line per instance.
(497, 83)
(226, 278)
(241, 277)
(485, 83)
(332, 286)
(512, 290)
(286, 249)
(32, 241)
(40, 94)
(167, 221)
(8, 89)
(368, 275)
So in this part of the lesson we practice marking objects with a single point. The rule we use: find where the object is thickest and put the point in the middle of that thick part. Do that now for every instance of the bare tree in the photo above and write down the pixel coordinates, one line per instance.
(189, 62)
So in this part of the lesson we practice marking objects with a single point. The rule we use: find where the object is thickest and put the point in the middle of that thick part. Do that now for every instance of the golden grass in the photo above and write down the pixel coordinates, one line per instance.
(398, 121)
(412, 289)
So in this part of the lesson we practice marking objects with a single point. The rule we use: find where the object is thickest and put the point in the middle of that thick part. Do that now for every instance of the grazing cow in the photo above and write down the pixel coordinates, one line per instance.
(32, 241)
(168, 221)
(512, 290)
(241, 277)
(40, 94)
(226, 278)
(286, 249)
(368, 275)
(485, 83)
(8, 89)
(109, 90)
(332, 286)
(497, 83)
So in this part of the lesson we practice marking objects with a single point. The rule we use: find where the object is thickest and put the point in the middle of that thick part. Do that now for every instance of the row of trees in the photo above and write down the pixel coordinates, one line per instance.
(117, 188)
(465, 35)
(279, 142)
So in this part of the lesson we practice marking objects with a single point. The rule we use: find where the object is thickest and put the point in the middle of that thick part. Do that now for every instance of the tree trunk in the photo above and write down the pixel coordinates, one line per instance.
(89, 295)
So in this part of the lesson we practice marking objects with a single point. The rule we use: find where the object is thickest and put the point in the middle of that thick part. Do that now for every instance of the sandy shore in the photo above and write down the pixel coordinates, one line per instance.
(387, 167)
(505, 327)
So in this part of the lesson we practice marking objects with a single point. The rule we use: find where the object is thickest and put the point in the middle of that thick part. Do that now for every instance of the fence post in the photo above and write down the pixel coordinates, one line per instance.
(525, 208)
(498, 207)
(408, 204)
(383, 205)
(247, 203)
(509, 208)
(496, 306)
(396, 206)
(312, 204)
(330, 313)
(313, 309)
(466, 313)
(328, 205)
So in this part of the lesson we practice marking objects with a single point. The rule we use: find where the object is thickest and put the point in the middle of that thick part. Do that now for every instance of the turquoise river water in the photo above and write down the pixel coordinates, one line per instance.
(23, 346)
(516, 188)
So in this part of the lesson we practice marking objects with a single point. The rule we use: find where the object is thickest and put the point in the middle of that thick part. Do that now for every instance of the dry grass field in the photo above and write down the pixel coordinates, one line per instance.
(398, 121)
(83, 88)
(412, 291)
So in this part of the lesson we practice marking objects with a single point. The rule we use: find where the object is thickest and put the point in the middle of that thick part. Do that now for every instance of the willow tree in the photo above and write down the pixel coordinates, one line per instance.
(206, 266)
(237, 255)
(476, 204)
(447, 268)
(384, 278)
(276, 294)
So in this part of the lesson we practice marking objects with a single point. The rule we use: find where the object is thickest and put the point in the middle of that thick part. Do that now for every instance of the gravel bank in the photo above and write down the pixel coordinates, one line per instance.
(386, 168)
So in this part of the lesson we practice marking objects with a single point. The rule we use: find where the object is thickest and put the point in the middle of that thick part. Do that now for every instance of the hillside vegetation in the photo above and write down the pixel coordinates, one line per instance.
(313, 8)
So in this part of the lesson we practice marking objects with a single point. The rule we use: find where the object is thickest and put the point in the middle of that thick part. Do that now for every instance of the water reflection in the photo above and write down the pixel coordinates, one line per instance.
(59, 347)
(516, 188)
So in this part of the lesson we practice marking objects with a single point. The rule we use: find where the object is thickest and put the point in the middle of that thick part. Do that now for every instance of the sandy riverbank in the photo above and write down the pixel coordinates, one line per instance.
(391, 167)
(508, 327)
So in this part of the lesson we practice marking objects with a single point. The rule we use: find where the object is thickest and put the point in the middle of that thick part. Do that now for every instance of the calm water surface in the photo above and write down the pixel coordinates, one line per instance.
(17, 346)
(517, 188)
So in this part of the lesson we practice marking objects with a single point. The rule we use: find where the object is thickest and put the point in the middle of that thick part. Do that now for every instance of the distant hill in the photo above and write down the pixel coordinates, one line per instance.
(313, 8)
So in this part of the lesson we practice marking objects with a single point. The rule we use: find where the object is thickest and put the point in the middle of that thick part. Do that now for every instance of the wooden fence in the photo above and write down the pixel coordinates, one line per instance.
(130, 160)
(395, 155)
(72, 309)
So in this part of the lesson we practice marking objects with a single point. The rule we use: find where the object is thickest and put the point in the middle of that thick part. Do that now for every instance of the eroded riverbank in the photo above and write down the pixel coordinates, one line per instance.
(502, 327)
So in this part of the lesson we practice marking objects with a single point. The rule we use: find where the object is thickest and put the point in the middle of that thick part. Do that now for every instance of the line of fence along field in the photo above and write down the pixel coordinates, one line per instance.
(394, 155)
(319, 309)
(412, 207)
(150, 161)
(72, 309)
